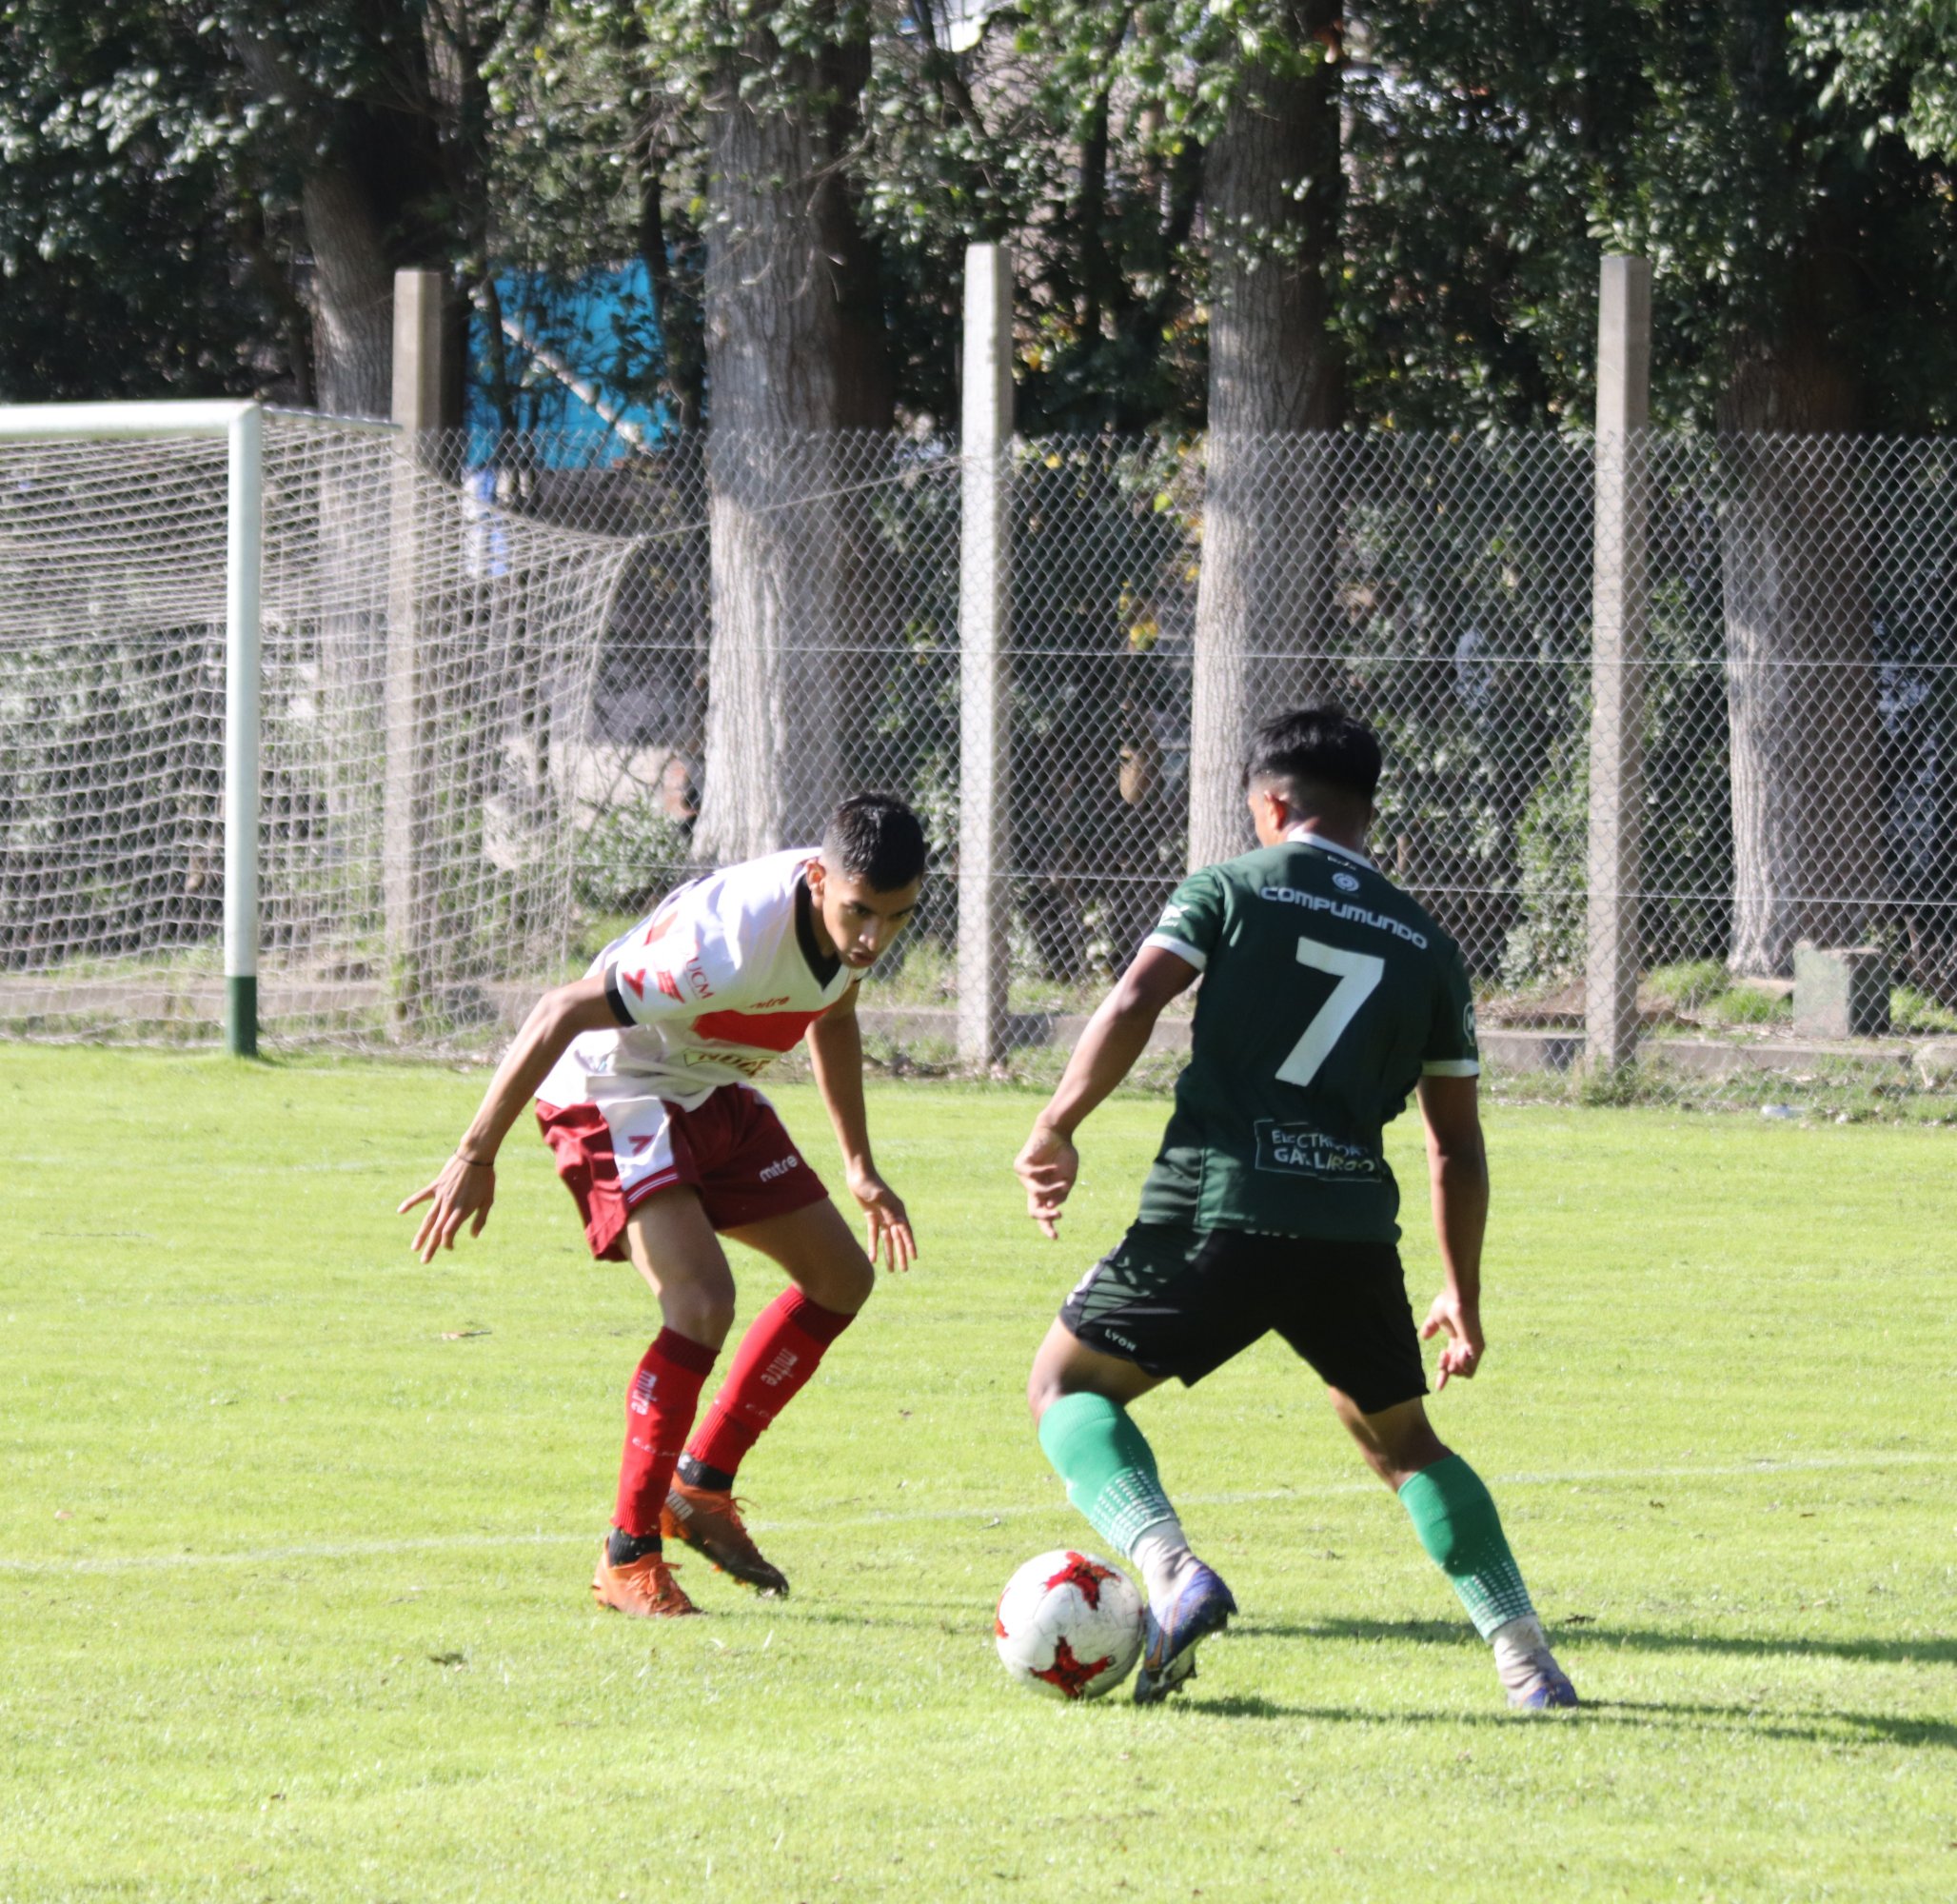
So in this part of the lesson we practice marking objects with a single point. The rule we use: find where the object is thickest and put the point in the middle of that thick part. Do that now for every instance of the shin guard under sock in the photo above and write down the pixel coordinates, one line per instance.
(781, 1350)
(1455, 1517)
(659, 1408)
(1108, 1465)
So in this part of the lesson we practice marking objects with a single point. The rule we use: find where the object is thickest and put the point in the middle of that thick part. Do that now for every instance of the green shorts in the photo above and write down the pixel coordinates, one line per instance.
(1181, 1302)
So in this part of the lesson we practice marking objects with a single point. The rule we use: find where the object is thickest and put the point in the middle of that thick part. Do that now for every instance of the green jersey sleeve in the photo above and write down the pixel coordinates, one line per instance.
(1192, 923)
(1452, 1051)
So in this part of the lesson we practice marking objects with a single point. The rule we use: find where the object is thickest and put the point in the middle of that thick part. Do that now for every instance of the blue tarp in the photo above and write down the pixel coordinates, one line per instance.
(599, 327)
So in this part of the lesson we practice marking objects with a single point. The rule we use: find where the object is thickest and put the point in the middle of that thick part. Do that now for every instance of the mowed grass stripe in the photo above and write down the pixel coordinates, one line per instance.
(281, 1647)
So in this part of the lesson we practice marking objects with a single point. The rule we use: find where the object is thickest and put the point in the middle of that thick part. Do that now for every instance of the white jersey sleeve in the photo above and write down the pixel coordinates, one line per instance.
(723, 978)
(684, 960)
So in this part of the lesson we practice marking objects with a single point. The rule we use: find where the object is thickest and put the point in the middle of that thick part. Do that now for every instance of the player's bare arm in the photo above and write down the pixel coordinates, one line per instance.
(836, 1056)
(1116, 1036)
(1457, 1174)
(465, 1188)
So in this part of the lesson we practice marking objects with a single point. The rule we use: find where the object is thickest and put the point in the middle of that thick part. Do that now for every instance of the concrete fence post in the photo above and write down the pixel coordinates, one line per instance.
(1619, 604)
(408, 710)
(985, 563)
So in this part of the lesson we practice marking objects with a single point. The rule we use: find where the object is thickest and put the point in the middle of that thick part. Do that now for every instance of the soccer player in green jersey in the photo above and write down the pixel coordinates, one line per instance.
(1328, 997)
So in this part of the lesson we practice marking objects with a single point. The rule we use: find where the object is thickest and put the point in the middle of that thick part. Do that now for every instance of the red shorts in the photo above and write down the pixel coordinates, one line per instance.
(733, 1150)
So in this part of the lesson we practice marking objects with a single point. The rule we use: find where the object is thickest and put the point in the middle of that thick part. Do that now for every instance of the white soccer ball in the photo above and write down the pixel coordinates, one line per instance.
(1069, 1625)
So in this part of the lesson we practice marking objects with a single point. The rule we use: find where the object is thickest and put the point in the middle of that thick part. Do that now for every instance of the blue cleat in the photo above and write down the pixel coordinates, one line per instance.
(1529, 1668)
(1547, 1688)
(1199, 1605)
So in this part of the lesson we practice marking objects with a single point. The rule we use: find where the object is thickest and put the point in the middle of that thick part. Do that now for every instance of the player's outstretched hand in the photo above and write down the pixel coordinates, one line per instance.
(1047, 1166)
(888, 1221)
(464, 1192)
(1461, 1323)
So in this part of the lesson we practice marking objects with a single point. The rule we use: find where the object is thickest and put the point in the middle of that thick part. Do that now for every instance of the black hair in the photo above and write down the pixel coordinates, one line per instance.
(1320, 753)
(876, 836)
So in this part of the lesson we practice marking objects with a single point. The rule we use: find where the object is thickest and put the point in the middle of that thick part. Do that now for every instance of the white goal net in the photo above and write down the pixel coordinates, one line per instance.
(426, 663)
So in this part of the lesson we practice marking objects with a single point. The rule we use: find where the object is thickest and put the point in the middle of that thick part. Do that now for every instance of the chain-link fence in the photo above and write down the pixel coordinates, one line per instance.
(765, 625)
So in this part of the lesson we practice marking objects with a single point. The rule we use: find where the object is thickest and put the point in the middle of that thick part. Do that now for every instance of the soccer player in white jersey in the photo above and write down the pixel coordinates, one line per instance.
(642, 1072)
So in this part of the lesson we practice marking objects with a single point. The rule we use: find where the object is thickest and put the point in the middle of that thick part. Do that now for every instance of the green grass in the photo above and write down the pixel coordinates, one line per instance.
(1914, 1013)
(295, 1535)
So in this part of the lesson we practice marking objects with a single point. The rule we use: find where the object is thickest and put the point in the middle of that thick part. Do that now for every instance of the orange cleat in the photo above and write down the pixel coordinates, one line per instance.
(644, 1588)
(708, 1520)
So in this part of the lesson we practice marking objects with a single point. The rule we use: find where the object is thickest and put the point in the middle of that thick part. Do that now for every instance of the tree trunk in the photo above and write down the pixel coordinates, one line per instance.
(1805, 759)
(682, 348)
(795, 355)
(352, 296)
(1801, 703)
(1264, 598)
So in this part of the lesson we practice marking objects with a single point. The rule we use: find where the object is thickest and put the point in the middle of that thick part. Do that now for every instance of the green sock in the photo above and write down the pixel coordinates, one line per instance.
(1455, 1517)
(1107, 1466)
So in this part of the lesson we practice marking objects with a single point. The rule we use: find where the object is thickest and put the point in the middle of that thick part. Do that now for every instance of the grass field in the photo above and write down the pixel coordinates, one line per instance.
(295, 1536)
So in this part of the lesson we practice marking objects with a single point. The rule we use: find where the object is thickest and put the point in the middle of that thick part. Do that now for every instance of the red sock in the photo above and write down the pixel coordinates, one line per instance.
(659, 1408)
(777, 1355)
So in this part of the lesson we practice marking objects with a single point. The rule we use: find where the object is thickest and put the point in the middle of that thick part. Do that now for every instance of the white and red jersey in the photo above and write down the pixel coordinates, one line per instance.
(722, 979)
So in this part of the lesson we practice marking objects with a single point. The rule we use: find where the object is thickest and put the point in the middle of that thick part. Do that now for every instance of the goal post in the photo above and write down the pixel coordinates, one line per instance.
(241, 425)
(230, 635)
(244, 557)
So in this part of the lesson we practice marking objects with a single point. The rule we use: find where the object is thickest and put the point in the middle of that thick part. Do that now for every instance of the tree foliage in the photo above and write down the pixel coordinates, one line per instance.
(1787, 169)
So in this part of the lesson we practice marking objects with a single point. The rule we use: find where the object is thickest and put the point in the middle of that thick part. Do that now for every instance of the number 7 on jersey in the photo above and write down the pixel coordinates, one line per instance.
(1359, 975)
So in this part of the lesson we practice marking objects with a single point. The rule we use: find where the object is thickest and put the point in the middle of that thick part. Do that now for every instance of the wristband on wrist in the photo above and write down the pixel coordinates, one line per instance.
(479, 1162)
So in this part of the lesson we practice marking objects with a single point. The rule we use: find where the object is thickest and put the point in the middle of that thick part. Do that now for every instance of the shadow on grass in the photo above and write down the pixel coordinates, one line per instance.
(1941, 1651)
(1833, 1728)
(1817, 1727)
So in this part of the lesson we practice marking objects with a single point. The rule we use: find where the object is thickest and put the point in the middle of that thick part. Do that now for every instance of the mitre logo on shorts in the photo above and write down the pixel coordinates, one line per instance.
(780, 1169)
(780, 1369)
(768, 1004)
(643, 1385)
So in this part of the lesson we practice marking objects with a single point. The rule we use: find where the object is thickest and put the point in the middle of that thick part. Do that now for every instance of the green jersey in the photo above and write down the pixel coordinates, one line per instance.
(1326, 994)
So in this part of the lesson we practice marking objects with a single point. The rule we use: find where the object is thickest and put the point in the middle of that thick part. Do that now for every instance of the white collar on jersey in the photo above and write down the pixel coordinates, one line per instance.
(1303, 836)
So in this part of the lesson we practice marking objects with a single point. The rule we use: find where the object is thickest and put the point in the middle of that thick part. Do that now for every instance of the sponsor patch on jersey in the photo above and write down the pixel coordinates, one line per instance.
(1345, 881)
(1338, 909)
(1297, 1150)
(696, 980)
(747, 1064)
